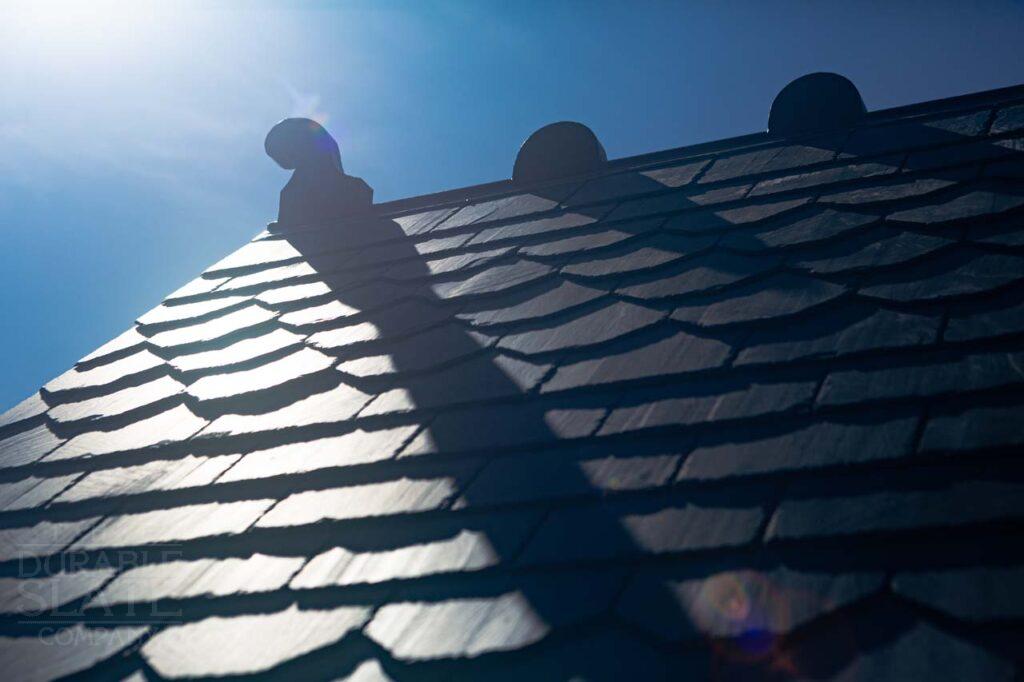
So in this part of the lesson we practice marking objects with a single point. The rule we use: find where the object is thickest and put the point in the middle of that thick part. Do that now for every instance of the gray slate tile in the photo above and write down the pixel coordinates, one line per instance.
(610, 322)
(732, 403)
(705, 273)
(970, 373)
(973, 429)
(972, 594)
(776, 297)
(961, 273)
(737, 603)
(824, 444)
(959, 503)
(247, 644)
(582, 533)
(64, 652)
(174, 425)
(24, 447)
(677, 354)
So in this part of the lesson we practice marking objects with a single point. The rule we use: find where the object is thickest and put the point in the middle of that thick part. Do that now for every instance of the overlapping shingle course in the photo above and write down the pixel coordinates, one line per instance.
(761, 398)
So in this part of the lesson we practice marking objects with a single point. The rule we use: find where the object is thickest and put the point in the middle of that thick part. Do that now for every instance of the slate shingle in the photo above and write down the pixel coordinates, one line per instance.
(611, 322)
(173, 425)
(973, 594)
(247, 644)
(778, 296)
(956, 504)
(819, 445)
(738, 603)
(63, 652)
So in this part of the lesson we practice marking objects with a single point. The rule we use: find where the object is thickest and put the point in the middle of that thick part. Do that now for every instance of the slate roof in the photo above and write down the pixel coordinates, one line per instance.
(743, 410)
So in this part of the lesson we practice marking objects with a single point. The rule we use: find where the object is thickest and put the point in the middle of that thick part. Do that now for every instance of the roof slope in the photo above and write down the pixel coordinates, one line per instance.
(744, 409)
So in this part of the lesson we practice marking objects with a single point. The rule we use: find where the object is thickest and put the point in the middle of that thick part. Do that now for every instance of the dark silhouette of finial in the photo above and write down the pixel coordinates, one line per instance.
(815, 103)
(558, 150)
(318, 190)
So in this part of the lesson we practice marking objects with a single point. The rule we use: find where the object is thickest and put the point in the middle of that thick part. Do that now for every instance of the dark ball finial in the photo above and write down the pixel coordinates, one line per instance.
(296, 143)
(558, 150)
(815, 103)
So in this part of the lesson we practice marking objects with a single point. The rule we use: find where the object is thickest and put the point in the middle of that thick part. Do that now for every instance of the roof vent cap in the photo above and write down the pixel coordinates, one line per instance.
(319, 189)
(558, 150)
(815, 103)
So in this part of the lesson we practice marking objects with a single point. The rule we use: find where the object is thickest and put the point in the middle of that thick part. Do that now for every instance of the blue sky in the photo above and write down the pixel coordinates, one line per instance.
(131, 132)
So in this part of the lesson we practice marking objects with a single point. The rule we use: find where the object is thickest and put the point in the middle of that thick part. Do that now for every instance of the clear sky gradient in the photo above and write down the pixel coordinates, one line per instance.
(131, 133)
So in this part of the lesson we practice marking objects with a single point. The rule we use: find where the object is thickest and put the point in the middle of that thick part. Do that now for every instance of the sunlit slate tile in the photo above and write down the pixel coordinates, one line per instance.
(431, 246)
(973, 429)
(543, 226)
(293, 294)
(467, 551)
(705, 273)
(118, 402)
(31, 407)
(402, 496)
(498, 209)
(676, 354)
(754, 401)
(43, 539)
(893, 191)
(457, 627)
(319, 314)
(120, 344)
(775, 602)
(579, 244)
(334, 405)
(175, 474)
(974, 372)
(971, 204)
(565, 296)
(445, 265)
(493, 280)
(819, 445)
(880, 329)
(418, 223)
(198, 287)
(169, 314)
(231, 323)
(272, 277)
(257, 253)
(436, 346)
(32, 492)
(819, 225)
(247, 644)
(74, 379)
(201, 578)
(344, 337)
(893, 249)
(350, 449)
(670, 202)
(175, 524)
(826, 177)
(779, 296)
(958, 503)
(239, 352)
(717, 221)
(367, 671)
(64, 652)
(924, 652)
(299, 364)
(610, 322)
(30, 594)
(171, 426)
(964, 271)
(728, 167)
(25, 447)
(974, 594)
(583, 532)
